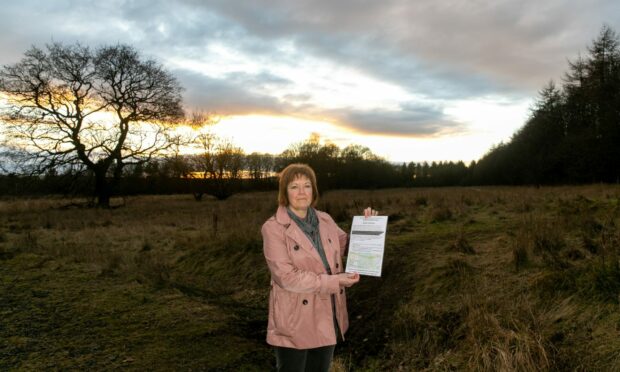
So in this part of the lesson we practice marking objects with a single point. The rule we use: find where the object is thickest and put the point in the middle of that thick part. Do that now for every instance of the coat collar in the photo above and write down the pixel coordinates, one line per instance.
(282, 216)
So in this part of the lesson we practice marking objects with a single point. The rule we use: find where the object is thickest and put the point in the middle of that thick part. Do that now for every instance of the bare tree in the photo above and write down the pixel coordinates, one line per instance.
(217, 162)
(204, 142)
(99, 109)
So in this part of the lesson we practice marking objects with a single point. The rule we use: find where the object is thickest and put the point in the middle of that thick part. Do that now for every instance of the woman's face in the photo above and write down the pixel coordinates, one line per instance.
(299, 193)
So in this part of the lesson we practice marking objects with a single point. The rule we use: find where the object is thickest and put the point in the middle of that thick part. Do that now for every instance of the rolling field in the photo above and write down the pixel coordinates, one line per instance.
(492, 278)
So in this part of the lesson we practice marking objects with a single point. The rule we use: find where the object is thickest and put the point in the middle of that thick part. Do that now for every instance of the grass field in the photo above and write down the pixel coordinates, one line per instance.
(511, 278)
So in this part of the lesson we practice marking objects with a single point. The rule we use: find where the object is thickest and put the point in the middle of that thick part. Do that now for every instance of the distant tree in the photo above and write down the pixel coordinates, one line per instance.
(604, 91)
(218, 164)
(259, 165)
(322, 157)
(229, 161)
(205, 143)
(101, 109)
(175, 164)
(354, 166)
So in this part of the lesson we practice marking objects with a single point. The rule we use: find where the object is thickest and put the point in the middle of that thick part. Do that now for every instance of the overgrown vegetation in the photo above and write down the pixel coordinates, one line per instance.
(515, 279)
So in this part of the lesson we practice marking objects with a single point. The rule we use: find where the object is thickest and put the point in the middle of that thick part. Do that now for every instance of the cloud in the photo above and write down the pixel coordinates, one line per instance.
(412, 119)
(225, 96)
(506, 45)
(236, 57)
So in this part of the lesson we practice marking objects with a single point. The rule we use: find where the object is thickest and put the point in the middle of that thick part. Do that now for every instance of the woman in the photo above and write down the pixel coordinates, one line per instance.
(303, 248)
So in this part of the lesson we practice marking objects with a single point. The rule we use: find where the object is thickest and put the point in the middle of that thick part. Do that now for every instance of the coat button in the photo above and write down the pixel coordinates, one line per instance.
(296, 247)
(341, 291)
(305, 302)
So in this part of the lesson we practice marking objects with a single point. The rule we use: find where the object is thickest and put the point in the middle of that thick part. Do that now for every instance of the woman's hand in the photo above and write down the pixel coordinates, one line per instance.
(370, 212)
(348, 279)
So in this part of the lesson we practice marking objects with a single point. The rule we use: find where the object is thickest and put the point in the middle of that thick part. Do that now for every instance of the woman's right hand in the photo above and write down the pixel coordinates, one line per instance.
(348, 279)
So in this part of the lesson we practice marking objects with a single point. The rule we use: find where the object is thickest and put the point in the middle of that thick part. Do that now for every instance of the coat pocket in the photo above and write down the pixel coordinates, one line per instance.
(286, 310)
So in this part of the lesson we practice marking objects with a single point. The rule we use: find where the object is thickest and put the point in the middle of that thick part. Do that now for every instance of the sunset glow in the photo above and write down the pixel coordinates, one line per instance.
(489, 121)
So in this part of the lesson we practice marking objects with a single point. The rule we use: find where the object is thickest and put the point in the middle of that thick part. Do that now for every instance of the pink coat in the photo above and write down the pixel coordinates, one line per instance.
(300, 309)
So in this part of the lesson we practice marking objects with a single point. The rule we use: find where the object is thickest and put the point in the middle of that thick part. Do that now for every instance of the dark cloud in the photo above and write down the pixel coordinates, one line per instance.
(468, 47)
(223, 96)
(439, 50)
(412, 119)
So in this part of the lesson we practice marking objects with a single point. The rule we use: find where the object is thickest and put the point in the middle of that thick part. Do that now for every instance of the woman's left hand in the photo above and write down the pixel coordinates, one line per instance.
(370, 212)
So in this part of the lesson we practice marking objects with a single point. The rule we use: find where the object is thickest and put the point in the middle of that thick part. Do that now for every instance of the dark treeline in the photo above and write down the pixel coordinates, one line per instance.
(227, 170)
(573, 134)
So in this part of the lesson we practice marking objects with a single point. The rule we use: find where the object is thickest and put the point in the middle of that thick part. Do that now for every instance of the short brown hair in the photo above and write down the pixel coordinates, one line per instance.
(289, 174)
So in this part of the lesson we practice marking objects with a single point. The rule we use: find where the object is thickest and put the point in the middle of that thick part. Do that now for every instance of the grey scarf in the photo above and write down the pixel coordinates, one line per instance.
(310, 227)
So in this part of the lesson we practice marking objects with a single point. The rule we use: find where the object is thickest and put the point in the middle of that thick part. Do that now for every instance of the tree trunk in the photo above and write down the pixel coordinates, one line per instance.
(102, 189)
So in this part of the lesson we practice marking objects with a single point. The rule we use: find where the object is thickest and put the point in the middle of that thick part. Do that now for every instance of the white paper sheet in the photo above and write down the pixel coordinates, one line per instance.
(366, 245)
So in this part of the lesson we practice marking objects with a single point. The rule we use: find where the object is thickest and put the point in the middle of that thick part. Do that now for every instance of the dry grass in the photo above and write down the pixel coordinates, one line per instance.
(511, 279)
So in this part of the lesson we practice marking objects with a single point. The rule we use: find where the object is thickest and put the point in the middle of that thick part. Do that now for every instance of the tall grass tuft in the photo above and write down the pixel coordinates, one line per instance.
(336, 209)
(605, 281)
(520, 257)
(427, 332)
(542, 238)
(5, 254)
(112, 266)
(461, 244)
(28, 242)
(453, 276)
(502, 336)
(441, 213)
(420, 201)
(153, 268)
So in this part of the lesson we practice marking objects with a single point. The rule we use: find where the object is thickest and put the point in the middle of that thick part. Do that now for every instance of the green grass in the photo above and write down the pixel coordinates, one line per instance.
(494, 278)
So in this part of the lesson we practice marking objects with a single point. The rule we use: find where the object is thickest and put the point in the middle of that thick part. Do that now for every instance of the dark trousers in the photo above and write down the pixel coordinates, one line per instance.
(306, 360)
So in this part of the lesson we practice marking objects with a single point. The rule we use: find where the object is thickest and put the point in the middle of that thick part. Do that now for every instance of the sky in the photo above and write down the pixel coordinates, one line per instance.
(423, 80)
